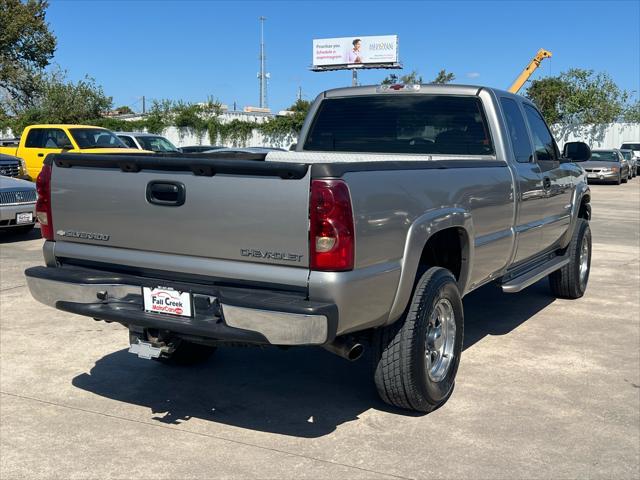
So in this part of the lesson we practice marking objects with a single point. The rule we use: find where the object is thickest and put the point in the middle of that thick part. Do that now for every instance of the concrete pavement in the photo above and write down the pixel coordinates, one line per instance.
(546, 388)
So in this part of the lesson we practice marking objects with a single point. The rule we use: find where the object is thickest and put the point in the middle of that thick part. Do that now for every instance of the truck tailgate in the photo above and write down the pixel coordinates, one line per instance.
(238, 210)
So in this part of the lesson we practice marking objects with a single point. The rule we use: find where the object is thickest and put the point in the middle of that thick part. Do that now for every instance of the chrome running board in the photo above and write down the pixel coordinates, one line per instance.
(530, 277)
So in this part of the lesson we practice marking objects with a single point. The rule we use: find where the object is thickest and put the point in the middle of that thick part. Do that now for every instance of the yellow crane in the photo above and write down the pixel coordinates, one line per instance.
(529, 69)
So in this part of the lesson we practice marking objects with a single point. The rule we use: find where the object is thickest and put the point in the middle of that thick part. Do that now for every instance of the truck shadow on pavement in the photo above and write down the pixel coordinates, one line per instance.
(9, 236)
(302, 392)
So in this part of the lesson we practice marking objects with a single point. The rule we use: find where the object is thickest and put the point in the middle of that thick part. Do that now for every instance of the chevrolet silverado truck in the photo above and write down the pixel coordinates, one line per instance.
(37, 141)
(397, 202)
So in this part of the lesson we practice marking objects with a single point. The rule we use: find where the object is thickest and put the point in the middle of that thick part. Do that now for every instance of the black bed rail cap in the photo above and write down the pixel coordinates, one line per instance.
(234, 164)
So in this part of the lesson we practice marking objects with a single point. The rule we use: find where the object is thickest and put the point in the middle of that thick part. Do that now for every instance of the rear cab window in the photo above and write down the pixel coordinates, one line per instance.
(420, 124)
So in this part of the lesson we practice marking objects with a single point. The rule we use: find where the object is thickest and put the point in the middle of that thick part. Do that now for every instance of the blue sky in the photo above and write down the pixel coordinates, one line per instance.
(190, 50)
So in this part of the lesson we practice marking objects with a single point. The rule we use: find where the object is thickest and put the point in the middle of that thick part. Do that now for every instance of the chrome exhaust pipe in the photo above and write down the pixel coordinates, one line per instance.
(346, 348)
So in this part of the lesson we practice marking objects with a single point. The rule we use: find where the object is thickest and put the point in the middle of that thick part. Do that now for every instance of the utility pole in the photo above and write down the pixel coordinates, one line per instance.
(263, 76)
(354, 77)
(144, 110)
(299, 93)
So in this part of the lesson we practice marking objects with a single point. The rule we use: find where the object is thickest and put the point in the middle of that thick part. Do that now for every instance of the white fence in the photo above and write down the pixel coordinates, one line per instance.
(610, 135)
(182, 137)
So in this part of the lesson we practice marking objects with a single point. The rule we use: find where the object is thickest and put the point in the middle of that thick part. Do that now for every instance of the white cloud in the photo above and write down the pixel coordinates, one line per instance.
(473, 75)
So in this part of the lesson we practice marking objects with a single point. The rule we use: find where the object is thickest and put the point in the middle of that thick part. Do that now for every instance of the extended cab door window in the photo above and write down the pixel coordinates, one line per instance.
(47, 138)
(39, 143)
(546, 151)
(517, 130)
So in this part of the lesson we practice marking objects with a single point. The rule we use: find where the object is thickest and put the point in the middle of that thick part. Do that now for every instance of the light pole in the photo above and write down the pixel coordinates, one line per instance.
(263, 75)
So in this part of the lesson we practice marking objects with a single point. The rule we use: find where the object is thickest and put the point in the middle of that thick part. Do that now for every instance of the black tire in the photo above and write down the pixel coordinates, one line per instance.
(187, 353)
(402, 376)
(624, 180)
(619, 181)
(568, 281)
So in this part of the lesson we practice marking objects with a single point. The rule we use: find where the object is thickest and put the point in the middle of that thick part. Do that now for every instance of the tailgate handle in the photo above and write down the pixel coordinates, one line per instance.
(167, 194)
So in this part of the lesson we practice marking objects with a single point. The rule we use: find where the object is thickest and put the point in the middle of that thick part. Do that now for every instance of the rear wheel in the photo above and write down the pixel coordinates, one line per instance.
(571, 280)
(416, 359)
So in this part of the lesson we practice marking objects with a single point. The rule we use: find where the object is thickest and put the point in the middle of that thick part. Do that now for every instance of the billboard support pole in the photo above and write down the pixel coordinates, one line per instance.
(354, 77)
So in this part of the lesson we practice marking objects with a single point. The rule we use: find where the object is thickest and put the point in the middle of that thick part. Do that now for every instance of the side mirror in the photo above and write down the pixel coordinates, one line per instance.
(576, 151)
(293, 147)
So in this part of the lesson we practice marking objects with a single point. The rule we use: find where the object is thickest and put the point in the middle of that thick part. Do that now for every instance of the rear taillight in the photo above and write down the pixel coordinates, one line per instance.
(43, 205)
(331, 235)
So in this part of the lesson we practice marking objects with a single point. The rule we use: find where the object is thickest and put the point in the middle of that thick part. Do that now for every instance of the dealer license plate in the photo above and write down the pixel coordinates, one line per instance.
(592, 175)
(22, 218)
(167, 300)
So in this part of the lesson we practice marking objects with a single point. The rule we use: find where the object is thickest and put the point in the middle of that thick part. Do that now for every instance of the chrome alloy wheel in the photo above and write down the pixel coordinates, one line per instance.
(584, 262)
(440, 340)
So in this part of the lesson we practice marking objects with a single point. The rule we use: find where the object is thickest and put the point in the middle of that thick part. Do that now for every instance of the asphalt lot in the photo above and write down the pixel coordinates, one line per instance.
(546, 388)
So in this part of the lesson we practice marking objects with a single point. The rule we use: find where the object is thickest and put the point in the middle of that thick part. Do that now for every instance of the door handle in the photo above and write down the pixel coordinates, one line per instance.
(41, 154)
(546, 183)
(166, 194)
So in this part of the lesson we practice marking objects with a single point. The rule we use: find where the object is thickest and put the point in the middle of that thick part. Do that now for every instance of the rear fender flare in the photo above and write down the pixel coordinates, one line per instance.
(419, 233)
(581, 190)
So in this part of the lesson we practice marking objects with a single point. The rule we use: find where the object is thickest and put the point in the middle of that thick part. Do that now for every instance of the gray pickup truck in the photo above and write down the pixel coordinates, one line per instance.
(397, 201)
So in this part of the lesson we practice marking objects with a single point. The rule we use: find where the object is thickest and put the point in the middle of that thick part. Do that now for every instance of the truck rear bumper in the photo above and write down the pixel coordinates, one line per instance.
(219, 313)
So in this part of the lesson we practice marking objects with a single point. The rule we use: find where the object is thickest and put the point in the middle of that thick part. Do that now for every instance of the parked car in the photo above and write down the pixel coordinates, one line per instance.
(631, 160)
(635, 148)
(11, 166)
(147, 141)
(199, 148)
(37, 141)
(396, 204)
(17, 205)
(607, 166)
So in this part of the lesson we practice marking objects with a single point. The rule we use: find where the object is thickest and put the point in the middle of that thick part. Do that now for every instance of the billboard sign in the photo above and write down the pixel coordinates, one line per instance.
(350, 52)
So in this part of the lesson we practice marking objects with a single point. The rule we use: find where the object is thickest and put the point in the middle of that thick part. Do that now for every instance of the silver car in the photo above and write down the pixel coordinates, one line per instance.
(607, 166)
(147, 141)
(17, 205)
(635, 148)
(631, 160)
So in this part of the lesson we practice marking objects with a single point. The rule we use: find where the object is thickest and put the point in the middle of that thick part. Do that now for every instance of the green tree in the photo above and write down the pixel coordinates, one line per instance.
(414, 78)
(124, 109)
(408, 79)
(63, 101)
(578, 97)
(287, 124)
(444, 77)
(550, 95)
(632, 113)
(300, 106)
(26, 47)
